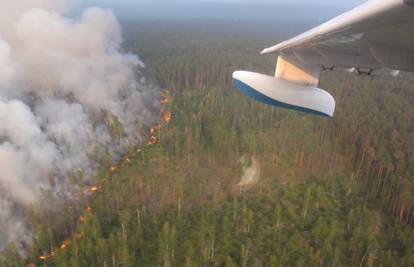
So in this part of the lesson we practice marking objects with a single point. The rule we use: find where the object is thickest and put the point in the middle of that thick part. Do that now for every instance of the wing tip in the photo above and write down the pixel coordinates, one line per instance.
(266, 51)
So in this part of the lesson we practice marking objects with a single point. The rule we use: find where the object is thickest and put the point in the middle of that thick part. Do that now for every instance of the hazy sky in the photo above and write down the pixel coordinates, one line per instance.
(134, 3)
(225, 9)
(317, 2)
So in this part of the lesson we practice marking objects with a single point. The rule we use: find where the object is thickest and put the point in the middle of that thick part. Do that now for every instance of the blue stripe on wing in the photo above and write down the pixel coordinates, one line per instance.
(251, 92)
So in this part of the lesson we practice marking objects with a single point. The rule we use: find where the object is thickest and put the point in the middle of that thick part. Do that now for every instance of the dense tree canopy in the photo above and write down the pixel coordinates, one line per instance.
(334, 192)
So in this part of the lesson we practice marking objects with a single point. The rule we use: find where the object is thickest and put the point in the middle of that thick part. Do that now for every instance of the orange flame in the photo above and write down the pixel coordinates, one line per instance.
(156, 127)
(167, 116)
(164, 101)
(64, 244)
(93, 189)
(153, 140)
(81, 218)
(127, 160)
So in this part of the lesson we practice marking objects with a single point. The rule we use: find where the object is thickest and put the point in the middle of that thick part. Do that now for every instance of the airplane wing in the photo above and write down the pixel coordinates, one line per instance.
(375, 35)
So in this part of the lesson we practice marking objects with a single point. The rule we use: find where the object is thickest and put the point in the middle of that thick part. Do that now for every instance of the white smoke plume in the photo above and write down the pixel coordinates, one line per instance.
(67, 93)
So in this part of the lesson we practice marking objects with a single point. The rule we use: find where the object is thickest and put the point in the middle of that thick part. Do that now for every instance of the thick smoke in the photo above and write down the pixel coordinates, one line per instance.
(68, 95)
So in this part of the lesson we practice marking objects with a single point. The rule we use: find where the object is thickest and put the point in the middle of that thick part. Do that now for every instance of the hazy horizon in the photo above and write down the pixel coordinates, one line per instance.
(298, 10)
(348, 3)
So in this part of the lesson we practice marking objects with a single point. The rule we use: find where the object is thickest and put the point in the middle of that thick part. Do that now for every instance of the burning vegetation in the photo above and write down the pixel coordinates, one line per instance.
(165, 97)
(113, 168)
(72, 113)
(165, 117)
(93, 189)
(153, 140)
(64, 244)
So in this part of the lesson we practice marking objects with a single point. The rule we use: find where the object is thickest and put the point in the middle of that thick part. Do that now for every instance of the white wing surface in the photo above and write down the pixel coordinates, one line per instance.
(378, 34)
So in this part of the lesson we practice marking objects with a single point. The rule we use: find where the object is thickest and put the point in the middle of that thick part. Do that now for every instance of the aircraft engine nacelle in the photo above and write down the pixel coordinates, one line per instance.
(283, 93)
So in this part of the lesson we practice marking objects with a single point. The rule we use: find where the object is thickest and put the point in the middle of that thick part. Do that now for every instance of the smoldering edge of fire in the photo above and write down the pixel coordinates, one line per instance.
(68, 96)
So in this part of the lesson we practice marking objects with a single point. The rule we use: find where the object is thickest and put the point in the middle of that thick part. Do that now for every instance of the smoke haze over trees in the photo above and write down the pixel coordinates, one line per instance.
(64, 84)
